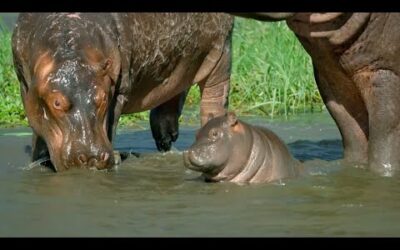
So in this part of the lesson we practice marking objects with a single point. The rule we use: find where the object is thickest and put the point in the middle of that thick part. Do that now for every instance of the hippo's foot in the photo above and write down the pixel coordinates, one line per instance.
(164, 122)
(165, 130)
(165, 143)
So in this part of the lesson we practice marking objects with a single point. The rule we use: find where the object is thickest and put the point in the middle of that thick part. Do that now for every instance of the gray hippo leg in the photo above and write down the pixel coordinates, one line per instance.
(383, 105)
(164, 121)
(347, 108)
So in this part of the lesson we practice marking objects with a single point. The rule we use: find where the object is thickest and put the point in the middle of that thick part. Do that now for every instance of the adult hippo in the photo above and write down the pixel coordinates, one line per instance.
(356, 59)
(227, 149)
(79, 72)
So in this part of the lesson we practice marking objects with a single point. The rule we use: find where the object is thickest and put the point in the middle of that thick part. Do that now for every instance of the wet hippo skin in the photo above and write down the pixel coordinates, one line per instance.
(356, 59)
(227, 149)
(79, 72)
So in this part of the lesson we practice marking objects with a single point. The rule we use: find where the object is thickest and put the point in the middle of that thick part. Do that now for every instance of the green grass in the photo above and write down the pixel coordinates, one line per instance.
(11, 110)
(271, 72)
(271, 75)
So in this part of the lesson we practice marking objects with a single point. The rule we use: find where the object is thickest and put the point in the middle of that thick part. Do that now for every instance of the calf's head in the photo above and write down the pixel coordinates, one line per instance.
(216, 143)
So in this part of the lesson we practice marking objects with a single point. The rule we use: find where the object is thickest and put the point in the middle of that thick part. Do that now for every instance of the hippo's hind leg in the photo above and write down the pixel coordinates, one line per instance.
(383, 103)
(164, 121)
(347, 108)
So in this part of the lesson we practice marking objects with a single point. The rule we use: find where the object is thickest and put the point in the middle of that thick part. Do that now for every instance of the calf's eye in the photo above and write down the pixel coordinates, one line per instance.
(214, 134)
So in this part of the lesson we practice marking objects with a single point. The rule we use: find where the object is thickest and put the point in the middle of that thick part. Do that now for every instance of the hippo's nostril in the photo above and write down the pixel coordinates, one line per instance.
(104, 156)
(82, 158)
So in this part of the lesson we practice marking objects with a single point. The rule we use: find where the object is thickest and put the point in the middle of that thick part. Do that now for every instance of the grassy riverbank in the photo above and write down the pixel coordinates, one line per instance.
(271, 75)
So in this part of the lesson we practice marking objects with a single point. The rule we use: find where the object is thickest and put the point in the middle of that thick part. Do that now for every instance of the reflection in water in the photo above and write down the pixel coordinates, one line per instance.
(154, 195)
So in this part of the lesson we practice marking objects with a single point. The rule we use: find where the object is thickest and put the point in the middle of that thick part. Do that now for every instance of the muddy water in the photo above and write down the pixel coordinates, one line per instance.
(154, 195)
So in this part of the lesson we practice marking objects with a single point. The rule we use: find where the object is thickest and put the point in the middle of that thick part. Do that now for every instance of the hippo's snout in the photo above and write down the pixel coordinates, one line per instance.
(77, 154)
(194, 162)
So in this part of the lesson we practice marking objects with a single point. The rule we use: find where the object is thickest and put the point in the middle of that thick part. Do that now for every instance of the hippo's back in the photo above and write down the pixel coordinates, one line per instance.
(282, 162)
(163, 38)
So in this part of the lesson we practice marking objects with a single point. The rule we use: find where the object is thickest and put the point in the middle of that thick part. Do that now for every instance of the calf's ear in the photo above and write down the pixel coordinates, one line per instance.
(232, 119)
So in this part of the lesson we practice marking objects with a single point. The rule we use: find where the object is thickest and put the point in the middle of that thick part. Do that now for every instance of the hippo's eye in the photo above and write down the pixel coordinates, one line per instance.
(214, 134)
(57, 104)
(58, 101)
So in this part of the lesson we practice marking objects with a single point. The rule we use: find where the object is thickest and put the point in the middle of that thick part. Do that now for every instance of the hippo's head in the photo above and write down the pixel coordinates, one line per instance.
(69, 77)
(214, 145)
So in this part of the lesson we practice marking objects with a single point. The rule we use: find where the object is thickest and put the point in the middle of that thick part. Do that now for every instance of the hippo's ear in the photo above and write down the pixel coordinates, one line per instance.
(232, 119)
(107, 65)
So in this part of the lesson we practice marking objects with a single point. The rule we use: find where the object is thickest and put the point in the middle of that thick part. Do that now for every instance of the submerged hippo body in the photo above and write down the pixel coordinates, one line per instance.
(80, 71)
(356, 59)
(227, 149)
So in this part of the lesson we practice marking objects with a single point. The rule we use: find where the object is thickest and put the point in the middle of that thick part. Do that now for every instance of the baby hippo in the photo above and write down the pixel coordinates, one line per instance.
(227, 149)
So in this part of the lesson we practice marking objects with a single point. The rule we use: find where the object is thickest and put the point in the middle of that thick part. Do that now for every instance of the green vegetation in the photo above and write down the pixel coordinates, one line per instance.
(271, 72)
(271, 75)
(11, 110)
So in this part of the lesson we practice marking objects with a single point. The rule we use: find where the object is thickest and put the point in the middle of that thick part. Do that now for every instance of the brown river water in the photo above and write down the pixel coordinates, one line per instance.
(154, 195)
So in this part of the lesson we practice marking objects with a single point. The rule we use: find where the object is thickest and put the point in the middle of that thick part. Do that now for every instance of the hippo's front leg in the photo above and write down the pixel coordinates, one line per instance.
(164, 121)
(113, 118)
(114, 115)
(39, 148)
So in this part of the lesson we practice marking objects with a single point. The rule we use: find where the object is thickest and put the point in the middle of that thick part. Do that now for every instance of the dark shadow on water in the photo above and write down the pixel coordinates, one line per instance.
(327, 150)
(143, 142)
(304, 150)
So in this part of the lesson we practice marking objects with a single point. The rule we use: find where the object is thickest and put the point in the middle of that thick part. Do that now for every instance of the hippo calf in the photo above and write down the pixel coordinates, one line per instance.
(79, 72)
(227, 149)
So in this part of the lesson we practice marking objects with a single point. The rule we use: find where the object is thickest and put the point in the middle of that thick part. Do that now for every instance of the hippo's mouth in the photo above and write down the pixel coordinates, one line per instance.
(186, 161)
(46, 161)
